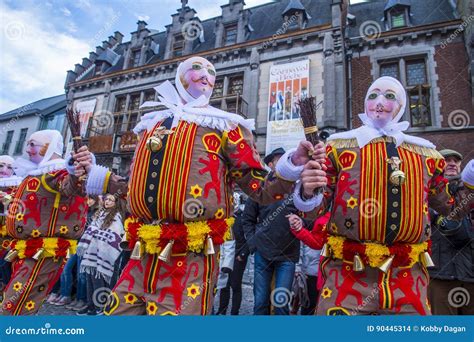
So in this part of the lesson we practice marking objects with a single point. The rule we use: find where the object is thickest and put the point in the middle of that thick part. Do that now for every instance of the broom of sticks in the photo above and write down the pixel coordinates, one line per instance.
(73, 118)
(308, 110)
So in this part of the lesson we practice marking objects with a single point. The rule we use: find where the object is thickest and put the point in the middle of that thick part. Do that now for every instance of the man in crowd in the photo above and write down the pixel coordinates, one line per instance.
(276, 250)
(451, 290)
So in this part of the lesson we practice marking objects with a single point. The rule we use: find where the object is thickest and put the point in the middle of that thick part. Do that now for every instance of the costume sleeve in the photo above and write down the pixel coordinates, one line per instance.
(101, 180)
(315, 238)
(452, 207)
(321, 203)
(247, 170)
(64, 183)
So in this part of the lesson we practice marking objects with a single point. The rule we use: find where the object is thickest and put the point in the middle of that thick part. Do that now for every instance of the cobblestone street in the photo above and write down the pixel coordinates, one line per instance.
(245, 309)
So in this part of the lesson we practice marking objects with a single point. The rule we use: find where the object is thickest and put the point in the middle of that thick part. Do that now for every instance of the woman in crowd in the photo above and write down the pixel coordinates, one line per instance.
(100, 248)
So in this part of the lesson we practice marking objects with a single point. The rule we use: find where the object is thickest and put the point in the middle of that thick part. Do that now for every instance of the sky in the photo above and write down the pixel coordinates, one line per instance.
(42, 39)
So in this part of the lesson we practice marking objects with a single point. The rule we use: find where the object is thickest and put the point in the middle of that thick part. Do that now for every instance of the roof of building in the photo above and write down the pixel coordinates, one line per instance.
(372, 12)
(43, 106)
(266, 20)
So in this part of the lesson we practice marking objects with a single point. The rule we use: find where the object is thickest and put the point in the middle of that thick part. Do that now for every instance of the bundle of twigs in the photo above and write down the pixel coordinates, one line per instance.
(308, 109)
(75, 127)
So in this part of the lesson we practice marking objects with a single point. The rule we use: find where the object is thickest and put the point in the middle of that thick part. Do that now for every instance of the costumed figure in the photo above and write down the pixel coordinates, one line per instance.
(380, 183)
(45, 218)
(180, 194)
(8, 185)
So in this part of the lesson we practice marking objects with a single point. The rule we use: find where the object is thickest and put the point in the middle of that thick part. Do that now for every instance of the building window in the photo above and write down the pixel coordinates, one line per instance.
(416, 72)
(120, 103)
(7, 143)
(218, 88)
(178, 45)
(135, 59)
(418, 92)
(133, 112)
(390, 69)
(229, 98)
(21, 141)
(53, 121)
(414, 75)
(398, 19)
(230, 34)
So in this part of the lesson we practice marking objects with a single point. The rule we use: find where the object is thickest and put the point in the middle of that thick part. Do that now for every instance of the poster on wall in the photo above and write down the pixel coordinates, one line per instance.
(86, 108)
(288, 82)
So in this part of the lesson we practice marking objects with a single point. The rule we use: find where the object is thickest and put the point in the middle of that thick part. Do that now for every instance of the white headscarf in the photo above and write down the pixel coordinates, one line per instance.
(6, 160)
(394, 128)
(54, 139)
(12, 180)
(182, 106)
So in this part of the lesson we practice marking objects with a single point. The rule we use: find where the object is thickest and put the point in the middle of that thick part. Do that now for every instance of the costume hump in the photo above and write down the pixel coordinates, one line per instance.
(380, 184)
(180, 195)
(46, 216)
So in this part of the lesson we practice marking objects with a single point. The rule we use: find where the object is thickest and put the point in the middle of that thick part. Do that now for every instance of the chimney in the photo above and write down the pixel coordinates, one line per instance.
(78, 69)
(93, 56)
(99, 50)
(112, 40)
(118, 37)
(105, 44)
(71, 77)
(141, 25)
(86, 62)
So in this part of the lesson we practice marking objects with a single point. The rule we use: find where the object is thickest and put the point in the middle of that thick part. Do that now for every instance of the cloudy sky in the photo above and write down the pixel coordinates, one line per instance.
(41, 40)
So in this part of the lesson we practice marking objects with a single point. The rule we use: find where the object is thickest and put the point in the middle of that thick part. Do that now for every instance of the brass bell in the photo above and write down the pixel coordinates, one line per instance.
(358, 265)
(397, 177)
(325, 251)
(165, 254)
(154, 144)
(426, 259)
(386, 264)
(11, 255)
(38, 254)
(124, 244)
(209, 246)
(137, 251)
